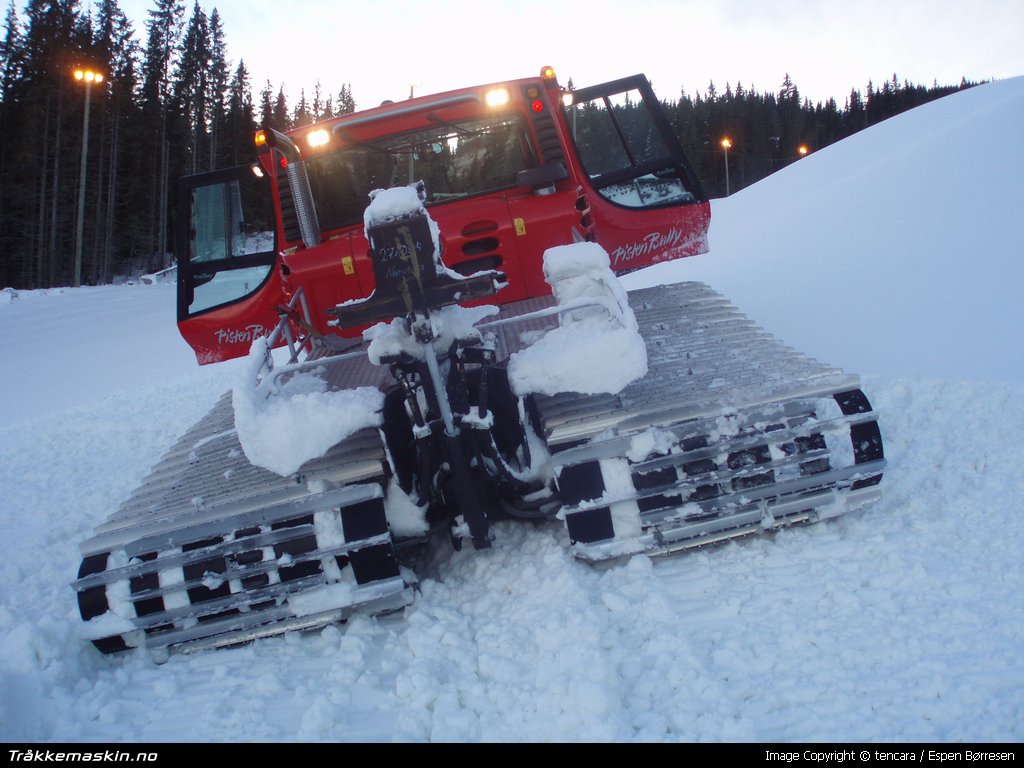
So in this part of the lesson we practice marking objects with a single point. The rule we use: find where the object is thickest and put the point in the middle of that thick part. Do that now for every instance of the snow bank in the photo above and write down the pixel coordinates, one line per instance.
(595, 348)
(282, 430)
(79, 346)
(890, 252)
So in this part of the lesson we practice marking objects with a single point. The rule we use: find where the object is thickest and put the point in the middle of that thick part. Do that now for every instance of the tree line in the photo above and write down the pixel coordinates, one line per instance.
(172, 103)
(768, 131)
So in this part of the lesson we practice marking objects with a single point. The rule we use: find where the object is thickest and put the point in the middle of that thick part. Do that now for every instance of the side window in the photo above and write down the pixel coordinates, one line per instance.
(228, 241)
(624, 151)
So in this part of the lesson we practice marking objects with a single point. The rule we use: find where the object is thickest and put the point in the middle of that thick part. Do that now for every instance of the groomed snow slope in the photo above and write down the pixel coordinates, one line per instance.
(896, 251)
(900, 622)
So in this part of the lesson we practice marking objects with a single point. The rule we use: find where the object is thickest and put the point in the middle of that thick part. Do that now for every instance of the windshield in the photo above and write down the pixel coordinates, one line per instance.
(454, 160)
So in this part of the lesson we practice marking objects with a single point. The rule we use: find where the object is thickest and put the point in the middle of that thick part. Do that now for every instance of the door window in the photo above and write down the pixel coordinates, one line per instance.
(623, 146)
(229, 238)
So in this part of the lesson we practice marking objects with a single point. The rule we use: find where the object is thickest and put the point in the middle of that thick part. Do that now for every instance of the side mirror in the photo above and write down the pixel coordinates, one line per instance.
(545, 177)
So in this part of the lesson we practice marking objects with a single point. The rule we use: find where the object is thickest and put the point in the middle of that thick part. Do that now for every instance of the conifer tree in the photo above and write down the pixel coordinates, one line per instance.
(191, 90)
(218, 86)
(10, 51)
(241, 118)
(346, 104)
(301, 116)
(266, 105)
(281, 121)
(164, 31)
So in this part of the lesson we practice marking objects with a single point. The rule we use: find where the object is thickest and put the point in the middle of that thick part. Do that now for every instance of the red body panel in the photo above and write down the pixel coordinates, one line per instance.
(507, 230)
(228, 332)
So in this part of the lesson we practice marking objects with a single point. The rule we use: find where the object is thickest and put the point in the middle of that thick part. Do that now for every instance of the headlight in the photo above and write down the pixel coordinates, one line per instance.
(318, 138)
(497, 98)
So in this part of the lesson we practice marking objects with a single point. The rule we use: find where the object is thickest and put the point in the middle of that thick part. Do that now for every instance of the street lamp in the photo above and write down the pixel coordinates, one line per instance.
(726, 145)
(802, 150)
(88, 77)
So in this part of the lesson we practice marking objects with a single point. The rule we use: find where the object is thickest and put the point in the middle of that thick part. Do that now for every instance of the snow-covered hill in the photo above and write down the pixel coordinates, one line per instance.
(897, 251)
(895, 254)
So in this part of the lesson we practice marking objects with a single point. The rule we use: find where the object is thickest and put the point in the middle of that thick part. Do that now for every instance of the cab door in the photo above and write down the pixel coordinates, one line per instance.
(226, 243)
(647, 203)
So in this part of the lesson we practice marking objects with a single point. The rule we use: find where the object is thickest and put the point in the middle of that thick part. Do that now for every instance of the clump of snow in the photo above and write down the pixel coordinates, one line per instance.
(107, 624)
(281, 431)
(400, 203)
(596, 347)
(650, 442)
(405, 518)
(325, 598)
(840, 446)
(394, 204)
(329, 530)
(618, 482)
(447, 325)
(397, 203)
(7, 295)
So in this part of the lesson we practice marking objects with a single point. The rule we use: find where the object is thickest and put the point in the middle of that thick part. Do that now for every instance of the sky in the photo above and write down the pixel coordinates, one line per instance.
(827, 47)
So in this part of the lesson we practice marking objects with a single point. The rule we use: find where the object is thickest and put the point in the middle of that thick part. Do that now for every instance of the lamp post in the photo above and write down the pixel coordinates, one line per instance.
(726, 144)
(88, 77)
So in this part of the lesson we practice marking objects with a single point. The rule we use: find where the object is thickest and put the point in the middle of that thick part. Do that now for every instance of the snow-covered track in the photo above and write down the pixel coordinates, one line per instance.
(730, 432)
(191, 559)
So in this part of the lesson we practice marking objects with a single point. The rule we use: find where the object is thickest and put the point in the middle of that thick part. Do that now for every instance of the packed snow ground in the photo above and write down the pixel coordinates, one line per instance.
(895, 254)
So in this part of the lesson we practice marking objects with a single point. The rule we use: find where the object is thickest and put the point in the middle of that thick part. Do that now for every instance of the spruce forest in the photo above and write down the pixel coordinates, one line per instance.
(171, 102)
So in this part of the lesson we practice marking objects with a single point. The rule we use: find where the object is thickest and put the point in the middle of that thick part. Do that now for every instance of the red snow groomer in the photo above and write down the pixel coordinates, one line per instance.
(441, 273)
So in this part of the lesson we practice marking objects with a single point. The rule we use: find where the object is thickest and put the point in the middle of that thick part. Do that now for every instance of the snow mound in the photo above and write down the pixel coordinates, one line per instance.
(889, 252)
(283, 430)
(597, 347)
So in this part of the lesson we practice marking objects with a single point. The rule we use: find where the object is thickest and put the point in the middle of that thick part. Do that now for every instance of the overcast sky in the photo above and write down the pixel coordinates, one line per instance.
(827, 46)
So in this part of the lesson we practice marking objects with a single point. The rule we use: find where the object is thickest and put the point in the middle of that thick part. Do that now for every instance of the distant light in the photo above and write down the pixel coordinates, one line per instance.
(802, 150)
(497, 98)
(318, 138)
(726, 143)
(88, 76)
(567, 99)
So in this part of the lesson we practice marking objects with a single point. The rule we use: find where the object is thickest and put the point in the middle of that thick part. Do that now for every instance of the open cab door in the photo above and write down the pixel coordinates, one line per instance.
(226, 241)
(646, 201)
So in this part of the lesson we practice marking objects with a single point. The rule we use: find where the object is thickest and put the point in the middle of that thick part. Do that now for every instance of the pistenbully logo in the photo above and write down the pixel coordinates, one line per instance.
(652, 243)
(239, 335)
